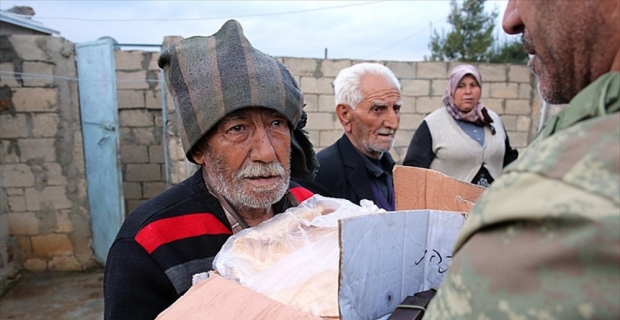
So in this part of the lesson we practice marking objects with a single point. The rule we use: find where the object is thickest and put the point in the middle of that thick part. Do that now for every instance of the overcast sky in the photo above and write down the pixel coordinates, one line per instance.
(366, 30)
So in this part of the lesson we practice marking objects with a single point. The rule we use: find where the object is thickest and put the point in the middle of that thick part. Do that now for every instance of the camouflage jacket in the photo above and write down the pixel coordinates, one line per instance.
(543, 242)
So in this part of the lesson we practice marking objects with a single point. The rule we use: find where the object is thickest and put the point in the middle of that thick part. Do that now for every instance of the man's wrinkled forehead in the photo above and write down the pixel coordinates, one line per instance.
(246, 113)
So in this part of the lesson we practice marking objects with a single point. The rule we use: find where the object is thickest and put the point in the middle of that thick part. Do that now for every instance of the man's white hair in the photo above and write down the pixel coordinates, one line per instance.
(347, 83)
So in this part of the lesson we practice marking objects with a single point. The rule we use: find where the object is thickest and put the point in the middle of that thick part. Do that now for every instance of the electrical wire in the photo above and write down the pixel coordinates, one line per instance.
(210, 18)
(403, 39)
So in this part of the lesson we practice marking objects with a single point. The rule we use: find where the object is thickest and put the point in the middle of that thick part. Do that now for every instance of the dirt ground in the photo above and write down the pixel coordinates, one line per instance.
(66, 295)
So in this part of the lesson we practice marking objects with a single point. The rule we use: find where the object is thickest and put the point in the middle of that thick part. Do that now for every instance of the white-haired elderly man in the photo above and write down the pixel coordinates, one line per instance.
(358, 166)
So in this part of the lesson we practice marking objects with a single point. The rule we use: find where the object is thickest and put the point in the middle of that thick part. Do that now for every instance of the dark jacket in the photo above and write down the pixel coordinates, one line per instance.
(162, 244)
(342, 173)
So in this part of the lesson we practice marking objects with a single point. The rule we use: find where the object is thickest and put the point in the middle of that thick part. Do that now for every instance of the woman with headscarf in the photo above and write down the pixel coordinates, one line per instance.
(464, 140)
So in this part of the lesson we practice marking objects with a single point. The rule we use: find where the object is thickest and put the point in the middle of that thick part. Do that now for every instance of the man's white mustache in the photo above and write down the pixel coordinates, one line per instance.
(257, 170)
(386, 131)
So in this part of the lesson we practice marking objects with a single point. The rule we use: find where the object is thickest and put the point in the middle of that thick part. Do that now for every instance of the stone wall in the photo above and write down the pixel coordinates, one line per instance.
(44, 216)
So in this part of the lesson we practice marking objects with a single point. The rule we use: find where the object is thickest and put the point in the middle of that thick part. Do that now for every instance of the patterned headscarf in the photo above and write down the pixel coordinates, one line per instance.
(478, 114)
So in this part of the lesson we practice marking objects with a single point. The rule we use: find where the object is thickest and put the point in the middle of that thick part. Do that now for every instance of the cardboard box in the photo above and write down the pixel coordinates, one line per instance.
(220, 299)
(418, 188)
(383, 257)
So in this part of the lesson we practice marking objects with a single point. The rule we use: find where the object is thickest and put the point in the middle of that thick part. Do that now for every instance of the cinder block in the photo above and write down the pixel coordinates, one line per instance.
(485, 91)
(38, 74)
(35, 264)
(132, 190)
(133, 204)
(128, 60)
(13, 126)
(330, 68)
(510, 122)
(525, 91)
(126, 80)
(518, 139)
(153, 62)
(23, 223)
(328, 137)
(146, 136)
(312, 102)
(49, 197)
(438, 87)
(402, 138)
(134, 154)
(16, 176)
(408, 105)
(151, 189)
(410, 121)
(432, 70)
(524, 123)
(301, 66)
(399, 153)
(130, 99)
(14, 191)
(319, 86)
(320, 121)
(28, 49)
(517, 73)
(156, 154)
(65, 263)
(153, 99)
(143, 172)
(504, 90)
(313, 135)
(16, 203)
(425, 105)
(327, 103)
(35, 100)
(37, 148)
(44, 124)
(402, 69)
(50, 245)
(496, 105)
(415, 88)
(7, 78)
(175, 149)
(63, 222)
(8, 151)
(25, 248)
(54, 175)
(493, 72)
(135, 118)
(518, 107)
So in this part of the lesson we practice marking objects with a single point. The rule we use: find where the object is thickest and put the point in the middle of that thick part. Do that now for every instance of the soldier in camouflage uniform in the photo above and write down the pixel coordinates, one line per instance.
(544, 241)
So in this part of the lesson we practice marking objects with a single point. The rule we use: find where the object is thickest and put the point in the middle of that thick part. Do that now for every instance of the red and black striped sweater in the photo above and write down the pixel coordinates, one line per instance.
(163, 243)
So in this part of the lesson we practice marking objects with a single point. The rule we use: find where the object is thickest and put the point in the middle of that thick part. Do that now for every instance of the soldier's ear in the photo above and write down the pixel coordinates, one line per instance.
(344, 114)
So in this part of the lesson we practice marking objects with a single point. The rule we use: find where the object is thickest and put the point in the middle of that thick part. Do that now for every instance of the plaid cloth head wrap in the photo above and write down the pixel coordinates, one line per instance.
(210, 77)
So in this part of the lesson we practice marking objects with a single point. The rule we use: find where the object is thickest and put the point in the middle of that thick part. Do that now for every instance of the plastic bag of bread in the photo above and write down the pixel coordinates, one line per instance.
(294, 257)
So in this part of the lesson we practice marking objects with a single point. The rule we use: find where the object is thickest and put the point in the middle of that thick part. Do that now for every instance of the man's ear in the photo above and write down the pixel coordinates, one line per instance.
(345, 116)
(198, 156)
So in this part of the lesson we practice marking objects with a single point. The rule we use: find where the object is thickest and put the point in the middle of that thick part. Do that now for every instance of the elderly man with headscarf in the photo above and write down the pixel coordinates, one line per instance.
(238, 112)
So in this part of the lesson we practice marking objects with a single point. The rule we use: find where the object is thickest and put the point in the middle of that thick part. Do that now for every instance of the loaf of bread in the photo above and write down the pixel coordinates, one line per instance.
(294, 257)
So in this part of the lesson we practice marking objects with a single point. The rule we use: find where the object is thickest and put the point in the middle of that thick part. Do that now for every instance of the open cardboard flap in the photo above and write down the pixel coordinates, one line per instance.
(217, 298)
(418, 188)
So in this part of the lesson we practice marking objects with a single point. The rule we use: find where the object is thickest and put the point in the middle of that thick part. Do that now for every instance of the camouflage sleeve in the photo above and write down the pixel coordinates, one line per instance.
(524, 255)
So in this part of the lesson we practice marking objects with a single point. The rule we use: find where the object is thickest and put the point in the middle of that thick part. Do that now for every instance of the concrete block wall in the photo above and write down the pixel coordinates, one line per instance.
(44, 216)
(508, 90)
